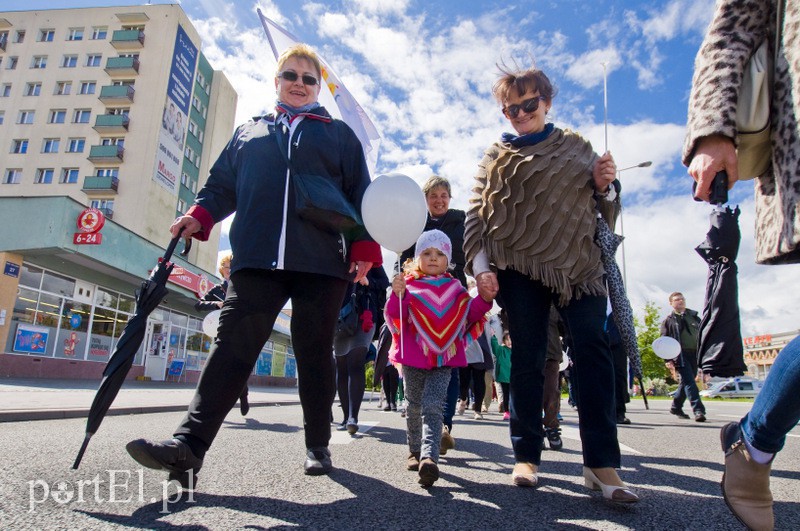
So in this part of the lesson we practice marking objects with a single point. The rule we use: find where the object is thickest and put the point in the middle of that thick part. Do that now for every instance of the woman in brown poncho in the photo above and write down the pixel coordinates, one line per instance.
(530, 227)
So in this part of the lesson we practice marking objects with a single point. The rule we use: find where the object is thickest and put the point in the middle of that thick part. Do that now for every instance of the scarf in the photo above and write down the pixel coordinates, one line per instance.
(529, 139)
(438, 309)
(536, 213)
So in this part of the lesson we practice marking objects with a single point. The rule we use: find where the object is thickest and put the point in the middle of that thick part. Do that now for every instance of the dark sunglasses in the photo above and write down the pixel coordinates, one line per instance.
(528, 106)
(291, 77)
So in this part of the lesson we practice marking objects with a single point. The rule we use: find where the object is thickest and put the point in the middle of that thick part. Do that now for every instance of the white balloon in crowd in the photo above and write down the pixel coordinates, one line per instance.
(394, 211)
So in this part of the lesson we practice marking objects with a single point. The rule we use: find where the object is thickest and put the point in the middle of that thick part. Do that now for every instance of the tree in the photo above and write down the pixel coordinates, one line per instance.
(652, 365)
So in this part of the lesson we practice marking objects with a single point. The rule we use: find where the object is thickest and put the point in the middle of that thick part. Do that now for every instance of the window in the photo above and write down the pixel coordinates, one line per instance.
(88, 87)
(3, 39)
(82, 116)
(99, 33)
(51, 145)
(119, 111)
(19, 145)
(76, 145)
(63, 88)
(44, 176)
(185, 179)
(75, 34)
(112, 142)
(20, 37)
(12, 63)
(2, 117)
(69, 175)
(33, 89)
(57, 116)
(94, 59)
(103, 204)
(6, 90)
(181, 206)
(26, 117)
(12, 176)
(46, 35)
(194, 187)
(39, 61)
(69, 61)
(107, 172)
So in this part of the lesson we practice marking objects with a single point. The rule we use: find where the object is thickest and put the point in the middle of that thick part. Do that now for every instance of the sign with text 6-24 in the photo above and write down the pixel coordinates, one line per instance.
(87, 238)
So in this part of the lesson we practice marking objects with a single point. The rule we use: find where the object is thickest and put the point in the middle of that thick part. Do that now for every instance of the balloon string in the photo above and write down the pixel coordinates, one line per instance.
(400, 305)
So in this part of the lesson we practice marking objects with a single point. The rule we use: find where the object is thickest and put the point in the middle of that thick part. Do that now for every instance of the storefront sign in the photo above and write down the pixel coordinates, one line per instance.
(176, 367)
(89, 222)
(758, 341)
(11, 269)
(31, 339)
(184, 278)
(94, 238)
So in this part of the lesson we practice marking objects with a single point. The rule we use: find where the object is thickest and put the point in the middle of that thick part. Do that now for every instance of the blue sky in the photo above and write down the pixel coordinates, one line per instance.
(423, 71)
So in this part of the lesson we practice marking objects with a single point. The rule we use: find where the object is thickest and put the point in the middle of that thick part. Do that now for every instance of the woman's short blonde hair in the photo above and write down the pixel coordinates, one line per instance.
(522, 81)
(434, 181)
(301, 51)
(226, 259)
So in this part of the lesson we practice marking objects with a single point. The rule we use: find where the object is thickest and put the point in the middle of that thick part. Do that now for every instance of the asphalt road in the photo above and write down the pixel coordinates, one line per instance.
(252, 478)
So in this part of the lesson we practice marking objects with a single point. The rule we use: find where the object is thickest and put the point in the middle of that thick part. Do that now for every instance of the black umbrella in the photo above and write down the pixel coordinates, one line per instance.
(149, 296)
(720, 351)
(620, 305)
(382, 357)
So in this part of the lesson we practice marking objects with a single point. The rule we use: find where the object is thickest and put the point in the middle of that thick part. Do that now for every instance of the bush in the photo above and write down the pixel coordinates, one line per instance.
(369, 372)
(656, 386)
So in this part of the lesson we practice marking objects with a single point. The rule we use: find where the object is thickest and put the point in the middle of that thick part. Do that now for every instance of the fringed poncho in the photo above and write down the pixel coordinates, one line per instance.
(533, 211)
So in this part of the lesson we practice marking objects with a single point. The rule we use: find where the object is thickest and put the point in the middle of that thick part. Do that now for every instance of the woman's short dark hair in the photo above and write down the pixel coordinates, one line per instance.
(434, 181)
(522, 81)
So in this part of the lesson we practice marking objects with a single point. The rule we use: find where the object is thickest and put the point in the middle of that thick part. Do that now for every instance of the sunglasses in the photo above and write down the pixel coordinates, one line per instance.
(528, 106)
(291, 77)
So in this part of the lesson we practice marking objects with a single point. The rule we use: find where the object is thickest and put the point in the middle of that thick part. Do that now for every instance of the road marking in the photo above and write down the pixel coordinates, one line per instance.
(568, 432)
(342, 437)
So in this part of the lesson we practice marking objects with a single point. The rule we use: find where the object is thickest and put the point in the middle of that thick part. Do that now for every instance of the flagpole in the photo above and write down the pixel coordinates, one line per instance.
(262, 18)
(605, 104)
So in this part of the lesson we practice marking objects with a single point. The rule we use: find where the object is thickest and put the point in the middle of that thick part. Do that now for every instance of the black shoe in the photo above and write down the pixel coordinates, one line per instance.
(699, 416)
(387, 408)
(622, 419)
(352, 426)
(394, 406)
(244, 405)
(678, 413)
(554, 438)
(318, 461)
(173, 455)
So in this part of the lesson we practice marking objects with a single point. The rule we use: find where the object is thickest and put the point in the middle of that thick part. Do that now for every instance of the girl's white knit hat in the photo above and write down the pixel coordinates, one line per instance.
(434, 239)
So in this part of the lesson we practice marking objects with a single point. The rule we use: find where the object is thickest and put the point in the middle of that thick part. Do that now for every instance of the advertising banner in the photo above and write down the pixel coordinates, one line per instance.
(31, 339)
(175, 116)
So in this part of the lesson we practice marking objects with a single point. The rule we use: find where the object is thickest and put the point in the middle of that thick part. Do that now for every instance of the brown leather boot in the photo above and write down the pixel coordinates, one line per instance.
(413, 461)
(745, 483)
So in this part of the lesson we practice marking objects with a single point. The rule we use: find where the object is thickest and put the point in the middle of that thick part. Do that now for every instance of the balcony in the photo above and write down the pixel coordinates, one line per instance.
(116, 94)
(108, 124)
(122, 66)
(95, 185)
(106, 154)
(127, 39)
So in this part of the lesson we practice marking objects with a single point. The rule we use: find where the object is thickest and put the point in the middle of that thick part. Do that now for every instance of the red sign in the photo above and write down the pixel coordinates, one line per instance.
(82, 238)
(191, 281)
(758, 341)
(91, 220)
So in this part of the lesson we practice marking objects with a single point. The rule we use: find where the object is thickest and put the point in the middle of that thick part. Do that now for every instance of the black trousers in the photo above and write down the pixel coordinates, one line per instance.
(621, 395)
(254, 299)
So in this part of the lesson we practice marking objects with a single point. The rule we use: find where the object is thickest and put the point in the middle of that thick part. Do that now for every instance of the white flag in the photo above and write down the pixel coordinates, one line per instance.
(336, 97)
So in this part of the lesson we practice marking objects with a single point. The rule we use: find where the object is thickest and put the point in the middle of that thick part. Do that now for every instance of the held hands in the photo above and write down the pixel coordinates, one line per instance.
(399, 286)
(713, 154)
(604, 172)
(487, 286)
(185, 226)
(361, 269)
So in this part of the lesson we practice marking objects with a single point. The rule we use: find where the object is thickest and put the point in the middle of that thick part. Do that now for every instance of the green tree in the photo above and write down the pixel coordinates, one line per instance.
(652, 365)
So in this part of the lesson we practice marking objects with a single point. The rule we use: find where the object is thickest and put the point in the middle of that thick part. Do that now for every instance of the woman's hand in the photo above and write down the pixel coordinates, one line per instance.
(487, 285)
(712, 155)
(185, 226)
(361, 269)
(399, 286)
(604, 172)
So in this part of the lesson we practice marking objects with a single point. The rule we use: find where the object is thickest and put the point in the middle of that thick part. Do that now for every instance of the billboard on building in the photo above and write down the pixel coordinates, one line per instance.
(175, 115)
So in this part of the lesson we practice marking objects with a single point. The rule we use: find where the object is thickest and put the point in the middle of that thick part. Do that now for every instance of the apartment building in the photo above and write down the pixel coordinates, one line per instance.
(110, 119)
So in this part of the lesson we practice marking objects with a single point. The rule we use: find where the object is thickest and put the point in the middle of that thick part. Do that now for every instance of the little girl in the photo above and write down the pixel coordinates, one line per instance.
(438, 317)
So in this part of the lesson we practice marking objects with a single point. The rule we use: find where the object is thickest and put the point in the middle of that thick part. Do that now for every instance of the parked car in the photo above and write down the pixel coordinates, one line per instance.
(742, 387)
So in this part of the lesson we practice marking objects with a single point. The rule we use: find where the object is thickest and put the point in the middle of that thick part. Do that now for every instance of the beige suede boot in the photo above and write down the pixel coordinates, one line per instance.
(745, 483)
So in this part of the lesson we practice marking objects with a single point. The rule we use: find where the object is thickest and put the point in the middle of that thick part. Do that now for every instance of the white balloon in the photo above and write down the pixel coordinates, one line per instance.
(211, 323)
(564, 363)
(394, 211)
(667, 347)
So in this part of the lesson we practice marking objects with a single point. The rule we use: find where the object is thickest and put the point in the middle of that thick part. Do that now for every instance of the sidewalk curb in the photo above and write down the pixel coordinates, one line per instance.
(54, 414)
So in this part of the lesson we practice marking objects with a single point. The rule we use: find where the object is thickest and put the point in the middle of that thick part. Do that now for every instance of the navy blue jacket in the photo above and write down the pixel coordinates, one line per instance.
(250, 178)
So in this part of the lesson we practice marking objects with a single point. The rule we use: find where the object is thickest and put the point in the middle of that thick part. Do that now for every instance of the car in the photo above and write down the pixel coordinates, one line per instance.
(741, 387)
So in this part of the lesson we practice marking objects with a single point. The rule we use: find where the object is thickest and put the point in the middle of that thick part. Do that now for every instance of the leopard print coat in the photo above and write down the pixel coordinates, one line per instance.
(738, 27)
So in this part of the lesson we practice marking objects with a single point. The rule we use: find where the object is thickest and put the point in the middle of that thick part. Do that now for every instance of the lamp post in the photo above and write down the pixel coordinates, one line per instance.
(644, 164)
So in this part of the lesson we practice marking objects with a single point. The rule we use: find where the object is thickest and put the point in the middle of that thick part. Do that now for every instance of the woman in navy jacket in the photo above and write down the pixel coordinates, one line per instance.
(278, 256)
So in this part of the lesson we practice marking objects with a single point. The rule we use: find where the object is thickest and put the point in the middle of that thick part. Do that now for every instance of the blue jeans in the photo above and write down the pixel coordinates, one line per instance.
(452, 398)
(776, 409)
(528, 302)
(688, 387)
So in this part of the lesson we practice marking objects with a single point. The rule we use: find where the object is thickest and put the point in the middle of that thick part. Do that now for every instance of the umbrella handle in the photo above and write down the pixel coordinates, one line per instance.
(78, 459)
(644, 393)
(173, 243)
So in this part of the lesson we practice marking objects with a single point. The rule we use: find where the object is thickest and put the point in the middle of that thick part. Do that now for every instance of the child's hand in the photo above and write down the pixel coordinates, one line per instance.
(399, 286)
(487, 286)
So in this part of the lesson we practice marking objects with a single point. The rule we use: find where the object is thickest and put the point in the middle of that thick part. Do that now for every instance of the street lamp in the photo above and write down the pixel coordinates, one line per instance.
(644, 164)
